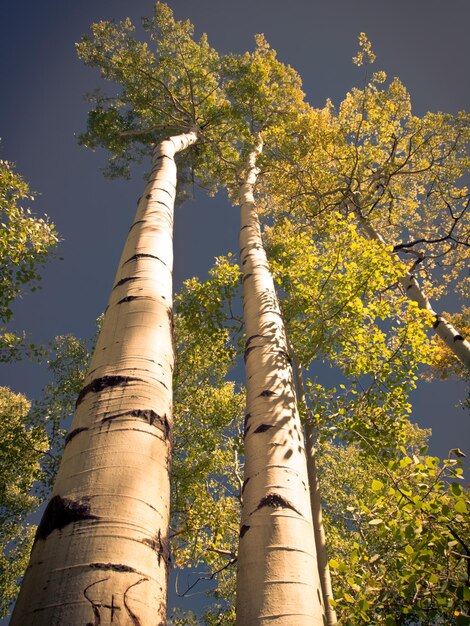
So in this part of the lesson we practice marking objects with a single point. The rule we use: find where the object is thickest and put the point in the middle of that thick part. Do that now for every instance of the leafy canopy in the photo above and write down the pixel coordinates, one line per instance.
(167, 85)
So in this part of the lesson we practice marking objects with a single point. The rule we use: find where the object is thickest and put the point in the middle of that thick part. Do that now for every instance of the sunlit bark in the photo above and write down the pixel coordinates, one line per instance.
(101, 553)
(443, 328)
(277, 580)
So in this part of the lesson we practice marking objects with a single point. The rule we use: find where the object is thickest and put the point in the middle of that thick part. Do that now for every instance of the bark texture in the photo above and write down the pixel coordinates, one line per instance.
(277, 579)
(101, 554)
(443, 328)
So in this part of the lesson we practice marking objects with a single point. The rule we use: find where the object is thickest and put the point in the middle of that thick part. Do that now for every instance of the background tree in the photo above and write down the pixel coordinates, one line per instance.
(26, 242)
(337, 325)
(400, 176)
(206, 477)
(21, 447)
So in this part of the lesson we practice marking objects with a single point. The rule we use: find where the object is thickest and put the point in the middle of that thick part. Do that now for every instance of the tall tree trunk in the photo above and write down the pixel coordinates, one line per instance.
(443, 328)
(101, 552)
(277, 579)
(315, 502)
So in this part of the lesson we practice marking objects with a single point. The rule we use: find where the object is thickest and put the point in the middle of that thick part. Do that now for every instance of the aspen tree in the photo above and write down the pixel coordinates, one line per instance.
(102, 546)
(101, 551)
(277, 578)
(277, 567)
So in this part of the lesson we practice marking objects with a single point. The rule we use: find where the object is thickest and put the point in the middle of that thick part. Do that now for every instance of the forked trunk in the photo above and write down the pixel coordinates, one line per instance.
(277, 579)
(443, 328)
(101, 553)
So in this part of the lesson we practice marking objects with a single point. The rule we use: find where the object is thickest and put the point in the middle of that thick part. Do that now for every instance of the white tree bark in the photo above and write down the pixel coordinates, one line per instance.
(443, 328)
(277, 579)
(101, 554)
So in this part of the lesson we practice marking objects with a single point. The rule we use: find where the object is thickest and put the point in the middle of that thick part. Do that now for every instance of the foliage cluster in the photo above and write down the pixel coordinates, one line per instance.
(25, 243)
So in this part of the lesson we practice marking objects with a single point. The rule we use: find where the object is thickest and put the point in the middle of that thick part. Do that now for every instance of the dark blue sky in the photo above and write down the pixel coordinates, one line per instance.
(42, 109)
(424, 42)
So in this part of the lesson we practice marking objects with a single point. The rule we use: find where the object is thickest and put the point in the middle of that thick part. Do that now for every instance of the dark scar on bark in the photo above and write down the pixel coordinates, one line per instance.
(104, 382)
(170, 314)
(74, 433)
(250, 339)
(275, 501)
(245, 482)
(458, 338)
(243, 530)
(436, 323)
(248, 351)
(137, 222)
(132, 298)
(142, 255)
(262, 428)
(113, 567)
(163, 204)
(409, 287)
(125, 280)
(267, 393)
(148, 415)
(246, 277)
(161, 546)
(165, 191)
(164, 156)
(285, 355)
(59, 513)
(246, 426)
